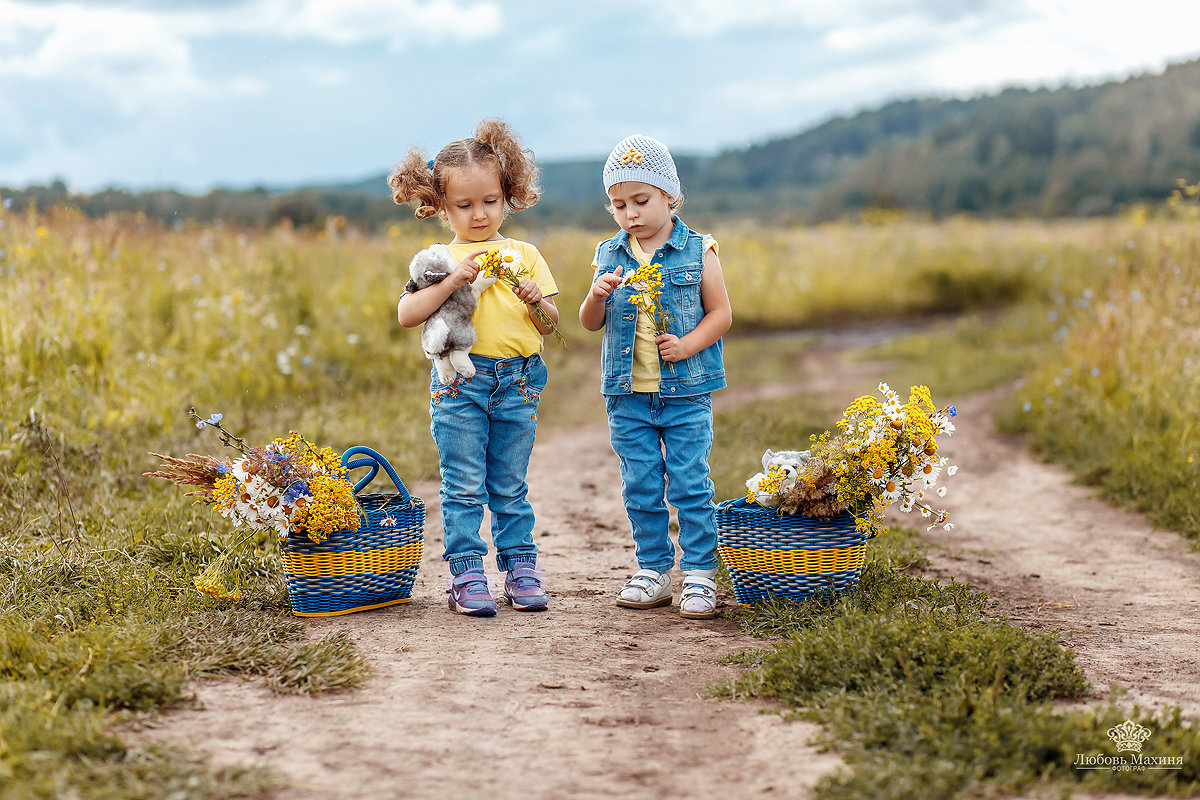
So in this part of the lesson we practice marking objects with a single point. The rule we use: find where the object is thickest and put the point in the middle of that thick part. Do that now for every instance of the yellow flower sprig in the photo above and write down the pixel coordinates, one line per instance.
(288, 486)
(772, 483)
(504, 266)
(646, 281)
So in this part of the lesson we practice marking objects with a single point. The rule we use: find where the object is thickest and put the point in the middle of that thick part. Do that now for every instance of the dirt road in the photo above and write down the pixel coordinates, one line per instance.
(593, 701)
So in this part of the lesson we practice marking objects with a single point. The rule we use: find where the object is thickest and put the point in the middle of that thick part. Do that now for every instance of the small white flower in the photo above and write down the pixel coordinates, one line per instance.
(953, 468)
(511, 258)
(941, 491)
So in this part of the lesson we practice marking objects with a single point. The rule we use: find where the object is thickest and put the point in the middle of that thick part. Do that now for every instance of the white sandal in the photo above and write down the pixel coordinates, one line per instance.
(698, 600)
(646, 589)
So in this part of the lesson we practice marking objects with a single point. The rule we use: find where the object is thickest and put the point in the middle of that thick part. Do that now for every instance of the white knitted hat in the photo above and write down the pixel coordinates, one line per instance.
(640, 158)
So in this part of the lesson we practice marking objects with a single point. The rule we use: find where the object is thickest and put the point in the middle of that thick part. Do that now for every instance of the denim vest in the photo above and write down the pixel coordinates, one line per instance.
(682, 260)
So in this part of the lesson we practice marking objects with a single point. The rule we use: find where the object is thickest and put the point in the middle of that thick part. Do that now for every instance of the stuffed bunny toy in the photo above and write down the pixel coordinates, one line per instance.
(790, 462)
(448, 335)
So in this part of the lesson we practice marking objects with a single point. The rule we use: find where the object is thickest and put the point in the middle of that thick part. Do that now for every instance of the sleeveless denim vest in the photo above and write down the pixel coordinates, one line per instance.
(682, 260)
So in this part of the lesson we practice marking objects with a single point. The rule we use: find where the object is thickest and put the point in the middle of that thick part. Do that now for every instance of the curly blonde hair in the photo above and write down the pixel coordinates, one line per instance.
(494, 144)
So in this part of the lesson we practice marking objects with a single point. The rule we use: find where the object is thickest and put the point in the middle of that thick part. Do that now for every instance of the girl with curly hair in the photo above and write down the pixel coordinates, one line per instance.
(484, 425)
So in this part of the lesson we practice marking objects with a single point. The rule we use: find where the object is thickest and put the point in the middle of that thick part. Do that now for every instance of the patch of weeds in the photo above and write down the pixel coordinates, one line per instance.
(110, 625)
(767, 358)
(926, 696)
(973, 354)
(740, 437)
(321, 666)
(962, 284)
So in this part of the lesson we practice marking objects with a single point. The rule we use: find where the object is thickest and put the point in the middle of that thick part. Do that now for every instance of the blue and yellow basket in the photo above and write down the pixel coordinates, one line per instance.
(787, 555)
(372, 567)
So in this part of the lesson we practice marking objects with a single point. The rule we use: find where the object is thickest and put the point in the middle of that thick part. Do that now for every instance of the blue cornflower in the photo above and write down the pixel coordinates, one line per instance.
(223, 468)
(8, 202)
(297, 490)
(952, 411)
(213, 420)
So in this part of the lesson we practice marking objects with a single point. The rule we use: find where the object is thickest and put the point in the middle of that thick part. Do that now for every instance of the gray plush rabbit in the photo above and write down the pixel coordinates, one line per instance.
(448, 335)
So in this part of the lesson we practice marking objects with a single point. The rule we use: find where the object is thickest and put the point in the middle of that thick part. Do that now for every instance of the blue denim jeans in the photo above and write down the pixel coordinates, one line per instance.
(663, 444)
(484, 429)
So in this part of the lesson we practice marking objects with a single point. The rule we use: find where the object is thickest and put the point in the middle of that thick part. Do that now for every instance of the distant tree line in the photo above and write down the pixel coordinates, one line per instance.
(1046, 152)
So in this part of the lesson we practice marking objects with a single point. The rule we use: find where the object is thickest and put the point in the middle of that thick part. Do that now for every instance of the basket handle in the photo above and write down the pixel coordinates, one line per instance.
(373, 463)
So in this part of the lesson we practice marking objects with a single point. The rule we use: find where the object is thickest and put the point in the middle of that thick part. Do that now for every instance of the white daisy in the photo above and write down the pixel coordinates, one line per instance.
(511, 259)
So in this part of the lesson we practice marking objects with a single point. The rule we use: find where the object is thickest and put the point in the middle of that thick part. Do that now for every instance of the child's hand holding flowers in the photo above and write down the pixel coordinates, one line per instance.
(646, 281)
(505, 265)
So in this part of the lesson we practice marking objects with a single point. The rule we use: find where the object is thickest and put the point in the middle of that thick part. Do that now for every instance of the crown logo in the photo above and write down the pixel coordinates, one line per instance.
(632, 156)
(1128, 736)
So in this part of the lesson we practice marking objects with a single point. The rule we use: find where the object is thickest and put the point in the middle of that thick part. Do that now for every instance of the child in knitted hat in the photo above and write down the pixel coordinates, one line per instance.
(659, 295)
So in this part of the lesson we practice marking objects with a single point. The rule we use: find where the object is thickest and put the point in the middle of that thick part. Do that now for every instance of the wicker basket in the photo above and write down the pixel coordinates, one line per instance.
(372, 567)
(786, 555)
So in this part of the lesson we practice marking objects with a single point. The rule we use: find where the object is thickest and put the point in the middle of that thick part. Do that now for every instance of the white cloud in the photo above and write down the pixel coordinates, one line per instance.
(248, 87)
(138, 57)
(711, 17)
(330, 77)
(397, 23)
(189, 93)
(130, 56)
(1063, 42)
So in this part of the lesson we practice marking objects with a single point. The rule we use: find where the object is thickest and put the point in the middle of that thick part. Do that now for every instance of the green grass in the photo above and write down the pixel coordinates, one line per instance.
(110, 329)
(101, 620)
(1117, 398)
(926, 695)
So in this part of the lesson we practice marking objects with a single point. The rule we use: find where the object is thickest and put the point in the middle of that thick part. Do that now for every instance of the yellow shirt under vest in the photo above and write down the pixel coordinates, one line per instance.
(503, 327)
(646, 370)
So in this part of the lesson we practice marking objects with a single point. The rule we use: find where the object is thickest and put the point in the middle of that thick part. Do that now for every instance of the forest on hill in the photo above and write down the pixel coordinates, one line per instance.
(1070, 151)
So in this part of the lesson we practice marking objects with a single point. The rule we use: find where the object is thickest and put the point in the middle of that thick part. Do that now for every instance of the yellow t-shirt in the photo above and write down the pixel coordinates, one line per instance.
(503, 328)
(646, 371)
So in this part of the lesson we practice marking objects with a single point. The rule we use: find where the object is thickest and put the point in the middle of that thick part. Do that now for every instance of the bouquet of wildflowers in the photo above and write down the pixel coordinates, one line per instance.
(287, 486)
(646, 281)
(505, 264)
(885, 453)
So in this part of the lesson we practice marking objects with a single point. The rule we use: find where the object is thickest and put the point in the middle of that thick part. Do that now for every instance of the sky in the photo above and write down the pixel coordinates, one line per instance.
(198, 94)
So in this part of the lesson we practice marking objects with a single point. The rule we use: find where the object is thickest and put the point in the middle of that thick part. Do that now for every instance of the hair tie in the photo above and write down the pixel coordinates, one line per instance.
(429, 164)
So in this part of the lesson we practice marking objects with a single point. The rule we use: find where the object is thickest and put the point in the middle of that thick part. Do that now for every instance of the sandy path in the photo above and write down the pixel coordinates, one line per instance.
(587, 700)
(592, 701)
(1125, 595)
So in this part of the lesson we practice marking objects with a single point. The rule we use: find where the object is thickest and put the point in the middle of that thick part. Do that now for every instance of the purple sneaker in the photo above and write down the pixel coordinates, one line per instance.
(523, 588)
(470, 595)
